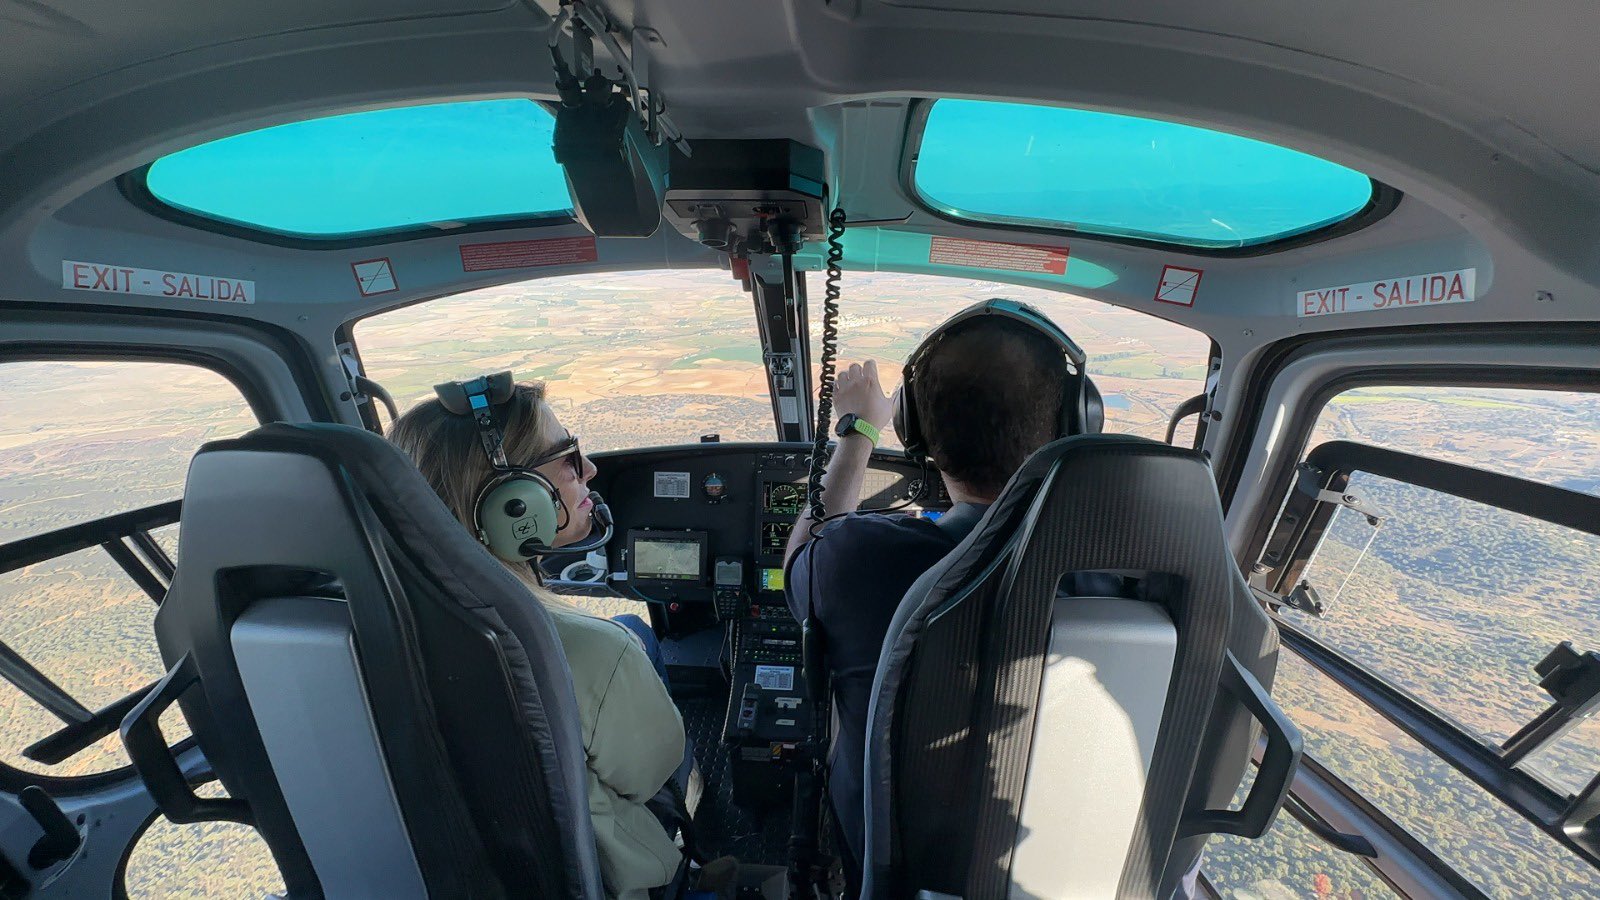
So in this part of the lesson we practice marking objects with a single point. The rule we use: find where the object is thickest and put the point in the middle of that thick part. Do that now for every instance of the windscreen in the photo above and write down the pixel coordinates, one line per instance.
(628, 359)
(1144, 366)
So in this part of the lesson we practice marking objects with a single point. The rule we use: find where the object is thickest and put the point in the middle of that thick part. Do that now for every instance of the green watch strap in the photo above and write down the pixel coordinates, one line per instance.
(867, 428)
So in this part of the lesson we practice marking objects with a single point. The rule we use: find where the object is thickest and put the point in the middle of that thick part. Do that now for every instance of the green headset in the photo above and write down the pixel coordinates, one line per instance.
(517, 511)
(1082, 411)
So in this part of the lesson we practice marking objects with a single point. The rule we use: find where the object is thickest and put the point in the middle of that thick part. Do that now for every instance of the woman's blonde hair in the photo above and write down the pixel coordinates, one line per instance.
(450, 456)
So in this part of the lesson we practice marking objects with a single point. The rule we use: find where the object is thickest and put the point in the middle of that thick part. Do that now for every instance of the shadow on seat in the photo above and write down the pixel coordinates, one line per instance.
(381, 698)
(1066, 703)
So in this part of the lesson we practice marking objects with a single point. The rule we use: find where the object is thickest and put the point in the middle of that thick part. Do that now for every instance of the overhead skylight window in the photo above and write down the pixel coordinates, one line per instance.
(1124, 176)
(367, 173)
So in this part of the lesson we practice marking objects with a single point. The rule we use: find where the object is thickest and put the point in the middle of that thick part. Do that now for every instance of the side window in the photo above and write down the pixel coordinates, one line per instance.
(1144, 366)
(1450, 587)
(81, 442)
(1552, 437)
(1494, 848)
(1288, 861)
(1433, 585)
(1441, 586)
(221, 860)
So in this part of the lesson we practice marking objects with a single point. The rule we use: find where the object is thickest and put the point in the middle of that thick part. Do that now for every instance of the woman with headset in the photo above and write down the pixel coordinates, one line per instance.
(496, 455)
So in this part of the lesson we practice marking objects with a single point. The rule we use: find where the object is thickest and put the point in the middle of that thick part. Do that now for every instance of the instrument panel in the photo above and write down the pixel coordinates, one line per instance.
(700, 531)
(707, 524)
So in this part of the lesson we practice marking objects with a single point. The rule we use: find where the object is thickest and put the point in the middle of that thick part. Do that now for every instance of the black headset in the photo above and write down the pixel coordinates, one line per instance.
(517, 511)
(1082, 411)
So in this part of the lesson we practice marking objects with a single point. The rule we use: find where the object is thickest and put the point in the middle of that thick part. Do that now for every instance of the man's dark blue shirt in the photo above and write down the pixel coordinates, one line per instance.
(853, 575)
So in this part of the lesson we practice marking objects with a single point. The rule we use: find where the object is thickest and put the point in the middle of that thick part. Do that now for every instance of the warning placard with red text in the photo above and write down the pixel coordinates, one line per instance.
(564, 251)
(1459, 286)
(1039, 258)
(107, 278)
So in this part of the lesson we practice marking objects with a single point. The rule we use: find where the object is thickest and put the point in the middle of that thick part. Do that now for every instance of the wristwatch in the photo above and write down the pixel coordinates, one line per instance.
(851, 423)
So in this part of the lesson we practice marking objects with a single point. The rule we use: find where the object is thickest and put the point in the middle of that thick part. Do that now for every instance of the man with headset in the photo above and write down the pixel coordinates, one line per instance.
(982, 392)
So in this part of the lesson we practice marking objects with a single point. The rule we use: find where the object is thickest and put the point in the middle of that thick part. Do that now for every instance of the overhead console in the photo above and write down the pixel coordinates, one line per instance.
(747, 196)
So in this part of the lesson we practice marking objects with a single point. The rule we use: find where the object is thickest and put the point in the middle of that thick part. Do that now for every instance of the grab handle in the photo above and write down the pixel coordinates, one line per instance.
(1273, 776)
(147, 748)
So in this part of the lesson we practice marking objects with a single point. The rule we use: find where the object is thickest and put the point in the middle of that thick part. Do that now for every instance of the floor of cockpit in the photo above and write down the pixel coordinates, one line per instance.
(726, 829)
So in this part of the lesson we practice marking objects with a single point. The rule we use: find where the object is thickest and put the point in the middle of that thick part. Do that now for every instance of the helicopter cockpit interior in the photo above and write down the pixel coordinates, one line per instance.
(1325, 282)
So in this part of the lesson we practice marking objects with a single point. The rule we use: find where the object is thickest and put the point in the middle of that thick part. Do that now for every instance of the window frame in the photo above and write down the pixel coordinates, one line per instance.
(239, 350)
(1384, 200)
(1542, 806)
(1330, 378)
(1517, 788)
(13, 779)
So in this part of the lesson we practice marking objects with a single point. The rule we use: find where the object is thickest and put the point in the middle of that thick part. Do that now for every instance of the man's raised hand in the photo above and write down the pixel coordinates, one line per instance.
(856, 390)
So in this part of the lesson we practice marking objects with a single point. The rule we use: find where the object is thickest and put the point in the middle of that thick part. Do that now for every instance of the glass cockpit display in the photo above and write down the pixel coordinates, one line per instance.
(775, 537)
(771, 579)
(782, 499)
(668, 559)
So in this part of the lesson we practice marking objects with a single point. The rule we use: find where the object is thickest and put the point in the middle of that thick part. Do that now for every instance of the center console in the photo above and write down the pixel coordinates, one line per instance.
(769, 710)
(704, 529)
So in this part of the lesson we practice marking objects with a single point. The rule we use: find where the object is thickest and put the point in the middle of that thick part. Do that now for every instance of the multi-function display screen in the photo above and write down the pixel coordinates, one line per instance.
(656, 559)
(775, 537)
(782, 499)
(772, 579)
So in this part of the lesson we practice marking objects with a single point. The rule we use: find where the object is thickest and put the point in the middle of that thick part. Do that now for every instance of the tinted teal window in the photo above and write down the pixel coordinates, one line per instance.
(1125, 176)
(371, 172)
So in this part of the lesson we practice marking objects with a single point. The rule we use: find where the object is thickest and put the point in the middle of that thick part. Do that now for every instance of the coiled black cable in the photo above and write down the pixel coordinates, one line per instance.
(828, 363)
(806, 871)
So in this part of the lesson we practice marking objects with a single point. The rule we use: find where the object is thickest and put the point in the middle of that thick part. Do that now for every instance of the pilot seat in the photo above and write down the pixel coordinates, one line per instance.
(1026, 740)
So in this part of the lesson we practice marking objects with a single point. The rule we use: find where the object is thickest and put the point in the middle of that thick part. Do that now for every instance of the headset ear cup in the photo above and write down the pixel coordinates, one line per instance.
(906, 425)
(1094, 408)
(520, 508)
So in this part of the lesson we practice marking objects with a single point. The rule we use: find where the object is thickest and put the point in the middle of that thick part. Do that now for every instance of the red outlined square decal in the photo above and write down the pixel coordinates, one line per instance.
(374, 276)
(1178, 285)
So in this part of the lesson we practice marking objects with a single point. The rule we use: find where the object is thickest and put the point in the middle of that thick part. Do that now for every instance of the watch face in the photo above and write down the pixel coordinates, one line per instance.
(843, 428)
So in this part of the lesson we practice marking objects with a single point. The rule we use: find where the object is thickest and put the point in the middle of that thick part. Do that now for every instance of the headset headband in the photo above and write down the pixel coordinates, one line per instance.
(478, 398)
(1006, 309)
(1081, 409)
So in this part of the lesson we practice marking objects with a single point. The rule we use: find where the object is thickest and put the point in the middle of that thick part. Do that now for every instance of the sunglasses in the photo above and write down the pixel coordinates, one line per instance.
(568, 448)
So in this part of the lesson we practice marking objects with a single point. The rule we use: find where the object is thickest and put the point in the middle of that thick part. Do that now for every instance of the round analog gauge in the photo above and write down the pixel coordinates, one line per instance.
(784, 498)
